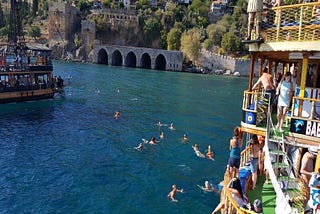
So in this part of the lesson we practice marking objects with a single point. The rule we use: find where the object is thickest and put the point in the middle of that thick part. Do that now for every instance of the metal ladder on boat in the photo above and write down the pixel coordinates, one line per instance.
(284, 171)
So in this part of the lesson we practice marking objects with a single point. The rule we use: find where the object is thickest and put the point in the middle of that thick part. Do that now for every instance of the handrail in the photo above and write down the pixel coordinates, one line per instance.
(301, 108)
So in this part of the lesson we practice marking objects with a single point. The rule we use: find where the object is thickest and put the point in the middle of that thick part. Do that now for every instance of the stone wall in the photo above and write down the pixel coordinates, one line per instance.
(64, 21)
(212, 62)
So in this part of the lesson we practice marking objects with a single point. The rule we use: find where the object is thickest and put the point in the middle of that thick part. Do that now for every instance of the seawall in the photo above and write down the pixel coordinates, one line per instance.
(212, 62)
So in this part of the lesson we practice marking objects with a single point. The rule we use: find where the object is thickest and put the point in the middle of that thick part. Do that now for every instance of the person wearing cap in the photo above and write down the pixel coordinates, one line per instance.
(257, 206)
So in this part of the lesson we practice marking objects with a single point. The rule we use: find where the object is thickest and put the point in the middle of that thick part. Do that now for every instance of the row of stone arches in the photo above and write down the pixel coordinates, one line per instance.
(131, 60)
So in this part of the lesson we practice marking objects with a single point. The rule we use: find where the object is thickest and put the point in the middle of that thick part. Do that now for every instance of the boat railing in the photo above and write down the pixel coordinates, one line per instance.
(305, 108)
(24, 68)
(245, 156)
(297, 22)
(254, 106)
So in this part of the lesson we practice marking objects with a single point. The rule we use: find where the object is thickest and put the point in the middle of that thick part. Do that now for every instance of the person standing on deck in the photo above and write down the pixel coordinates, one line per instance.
(285, 94)
(254, 9)
(254, 159)
(235, 150)
(266, 80)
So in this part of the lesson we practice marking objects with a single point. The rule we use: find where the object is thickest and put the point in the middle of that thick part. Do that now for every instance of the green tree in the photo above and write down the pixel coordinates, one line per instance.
(231, 43)
(106, 3)
(191, 45)
(207, 44)
(4, 31)
(167, 20)
(200, 7)
(151, 29)
(34, 32)
(174, 39)
(215, 33)
(35, 7)
(84, 5)
(144, 3)
(2, 18)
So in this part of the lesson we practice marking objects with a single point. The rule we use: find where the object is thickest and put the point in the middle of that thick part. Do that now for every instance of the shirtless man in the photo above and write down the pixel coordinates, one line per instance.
(266, 80)
(173, 193)
(307, 166)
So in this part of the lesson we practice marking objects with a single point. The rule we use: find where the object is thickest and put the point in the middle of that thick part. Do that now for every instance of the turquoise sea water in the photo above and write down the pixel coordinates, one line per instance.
(73, 156)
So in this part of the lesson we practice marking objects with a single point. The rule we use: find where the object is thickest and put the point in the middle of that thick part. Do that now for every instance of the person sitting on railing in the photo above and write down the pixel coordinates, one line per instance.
(234, 187)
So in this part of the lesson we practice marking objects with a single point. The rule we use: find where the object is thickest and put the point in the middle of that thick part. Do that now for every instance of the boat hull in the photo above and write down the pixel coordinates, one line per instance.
(29, 95)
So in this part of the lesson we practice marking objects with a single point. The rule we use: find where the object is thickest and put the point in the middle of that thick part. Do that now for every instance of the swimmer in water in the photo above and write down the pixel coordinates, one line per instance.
(184, 138)
(159, 124)
(117, 114)
(153, 141)
(139, 147)
(207, 186)
(171, 126)
(196, 150)
(209, 153)
(173, 193)
(161, 135)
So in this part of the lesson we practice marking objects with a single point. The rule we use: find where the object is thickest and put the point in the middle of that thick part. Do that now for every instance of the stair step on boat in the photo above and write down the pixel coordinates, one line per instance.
(276, 152)
(292, 193)
(286, 178)
(280, 165)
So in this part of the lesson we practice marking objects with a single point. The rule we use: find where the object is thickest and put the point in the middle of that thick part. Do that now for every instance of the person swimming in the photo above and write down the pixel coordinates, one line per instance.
(196, 150)
(184, 138)
(173, 193)
(159, 124)
(139, 147)
(209, 153)
(117, 115)
(153, 141)
(161, 135)
(171, 126)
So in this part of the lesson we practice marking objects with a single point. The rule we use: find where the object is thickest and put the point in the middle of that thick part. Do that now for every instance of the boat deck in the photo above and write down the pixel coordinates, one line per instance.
(265, 193)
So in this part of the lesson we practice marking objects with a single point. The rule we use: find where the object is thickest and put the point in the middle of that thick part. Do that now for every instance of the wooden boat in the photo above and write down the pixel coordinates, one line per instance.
(26, 71)
(290, 40)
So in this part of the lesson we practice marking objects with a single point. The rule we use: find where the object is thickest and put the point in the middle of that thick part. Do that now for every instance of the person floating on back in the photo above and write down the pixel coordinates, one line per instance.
(196, 150)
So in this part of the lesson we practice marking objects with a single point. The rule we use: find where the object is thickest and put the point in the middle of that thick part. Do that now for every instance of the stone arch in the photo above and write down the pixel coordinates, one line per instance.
(131, 60)
(145, 61)
(102, 57)
(116, 58)
(160, 63)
